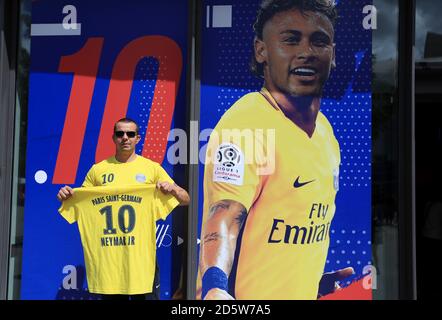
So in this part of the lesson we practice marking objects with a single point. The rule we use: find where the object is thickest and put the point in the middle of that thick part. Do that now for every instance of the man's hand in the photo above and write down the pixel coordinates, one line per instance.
(171, 188)
(328, 283)
(65, 193)
(218, 294)
(166, 187)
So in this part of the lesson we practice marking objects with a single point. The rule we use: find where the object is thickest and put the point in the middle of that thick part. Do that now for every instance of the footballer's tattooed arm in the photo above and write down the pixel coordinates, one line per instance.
(219, 236)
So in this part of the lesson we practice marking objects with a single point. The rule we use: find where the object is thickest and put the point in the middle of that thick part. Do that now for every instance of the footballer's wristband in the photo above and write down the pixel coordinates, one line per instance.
(214, 277)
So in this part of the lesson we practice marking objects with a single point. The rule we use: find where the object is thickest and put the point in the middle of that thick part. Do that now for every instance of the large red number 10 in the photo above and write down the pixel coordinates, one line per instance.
(84, 65)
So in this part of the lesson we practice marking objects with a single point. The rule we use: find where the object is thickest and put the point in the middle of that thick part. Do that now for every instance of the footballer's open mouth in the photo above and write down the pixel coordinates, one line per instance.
(305, 73)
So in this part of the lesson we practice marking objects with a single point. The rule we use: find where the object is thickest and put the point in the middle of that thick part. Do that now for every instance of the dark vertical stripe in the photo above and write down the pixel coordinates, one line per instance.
(407, 244)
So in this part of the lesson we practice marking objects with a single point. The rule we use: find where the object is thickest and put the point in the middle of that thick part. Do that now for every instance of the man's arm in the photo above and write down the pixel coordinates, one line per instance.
(218, 245)
(179, 193)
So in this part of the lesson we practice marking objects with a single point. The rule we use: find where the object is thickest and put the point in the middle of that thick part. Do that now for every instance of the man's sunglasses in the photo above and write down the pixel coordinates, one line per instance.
(130, 134)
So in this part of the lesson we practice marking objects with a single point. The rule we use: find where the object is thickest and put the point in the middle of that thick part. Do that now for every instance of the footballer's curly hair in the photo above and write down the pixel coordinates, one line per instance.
(269, 8)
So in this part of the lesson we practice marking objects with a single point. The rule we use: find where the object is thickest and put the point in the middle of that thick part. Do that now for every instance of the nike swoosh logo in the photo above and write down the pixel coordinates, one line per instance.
(298, 184)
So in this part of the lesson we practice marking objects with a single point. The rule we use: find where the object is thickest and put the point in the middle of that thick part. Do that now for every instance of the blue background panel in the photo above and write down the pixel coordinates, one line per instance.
(50, 243)
(225, 77)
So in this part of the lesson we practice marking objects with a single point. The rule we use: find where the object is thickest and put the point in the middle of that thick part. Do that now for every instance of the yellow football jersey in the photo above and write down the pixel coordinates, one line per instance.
(112, 172)
(287, 181)
(117, 229)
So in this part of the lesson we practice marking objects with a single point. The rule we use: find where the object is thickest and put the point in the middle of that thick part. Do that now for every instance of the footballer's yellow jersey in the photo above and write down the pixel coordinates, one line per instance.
(112, 172)
(117, 230)
(287, 181)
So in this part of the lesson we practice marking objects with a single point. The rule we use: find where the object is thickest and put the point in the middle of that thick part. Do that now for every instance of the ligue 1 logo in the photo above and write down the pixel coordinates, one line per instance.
(229, 166)
(228, 156)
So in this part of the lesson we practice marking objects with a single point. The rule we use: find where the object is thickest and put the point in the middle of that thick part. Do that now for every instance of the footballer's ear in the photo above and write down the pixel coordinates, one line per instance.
(260, 50)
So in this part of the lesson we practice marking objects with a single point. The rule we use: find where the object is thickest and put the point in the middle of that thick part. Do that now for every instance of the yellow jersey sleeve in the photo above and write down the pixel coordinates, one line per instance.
(68, 213)
(163, 205)
(67, 209)
(233, 170)
(162, 174)
(89, 181)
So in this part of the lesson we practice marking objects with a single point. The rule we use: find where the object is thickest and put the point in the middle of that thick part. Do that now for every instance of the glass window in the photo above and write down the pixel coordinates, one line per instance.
(384, 133)
(428, 29)
(18, 192)
(385, 152)
(428, 102)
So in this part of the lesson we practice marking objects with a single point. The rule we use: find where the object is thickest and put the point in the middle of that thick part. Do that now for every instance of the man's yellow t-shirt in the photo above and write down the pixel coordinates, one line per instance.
(117, 229)
(287, 181)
